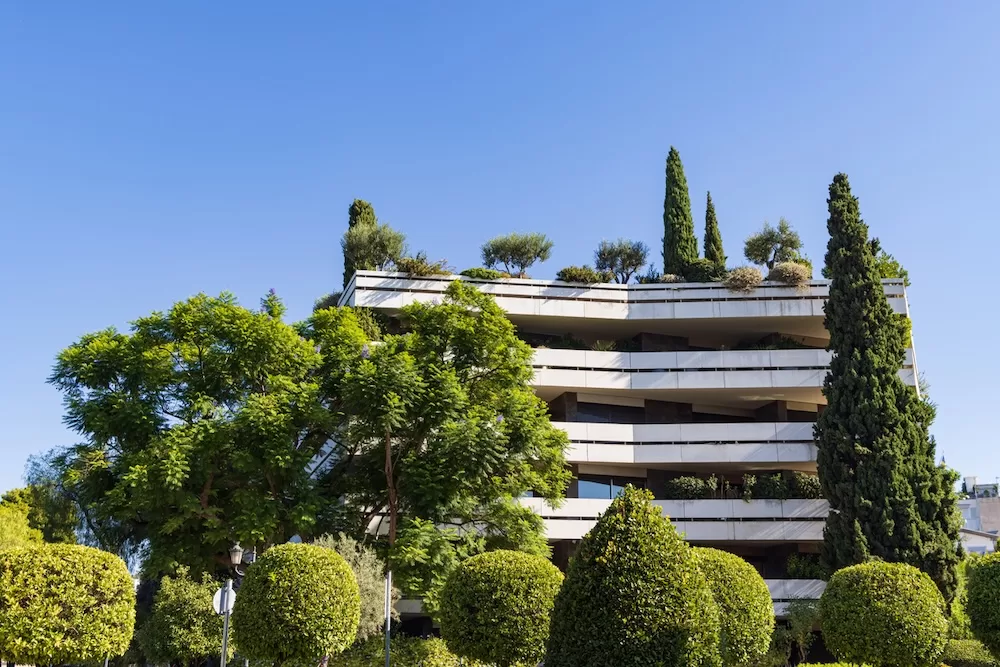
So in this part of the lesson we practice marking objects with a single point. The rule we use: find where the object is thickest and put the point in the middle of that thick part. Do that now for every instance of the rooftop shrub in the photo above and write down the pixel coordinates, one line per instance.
(743, 279)
(516, 252)
(983, 605)
(582, 274)
(703, 270)
(620, 259)
(884, 614)
(482, 273)
(791, 273)
(634, 596)
(419, 266)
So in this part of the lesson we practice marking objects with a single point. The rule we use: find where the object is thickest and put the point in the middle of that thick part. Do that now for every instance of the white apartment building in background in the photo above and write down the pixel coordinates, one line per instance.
(980, 506)
(664, 381)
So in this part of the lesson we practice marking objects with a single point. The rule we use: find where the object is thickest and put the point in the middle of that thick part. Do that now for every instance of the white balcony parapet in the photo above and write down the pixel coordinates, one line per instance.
(551, 298)
(795, 589)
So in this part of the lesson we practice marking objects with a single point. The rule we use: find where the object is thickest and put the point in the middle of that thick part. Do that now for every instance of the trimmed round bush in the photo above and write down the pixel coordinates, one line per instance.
(743, 279)
(967, 653)
(64, 603)
(887, 614)
(496, 607)
(791, 273)
(634, 596)
(298, 602)
(746, 613)
(703, 270)
(983, 601)
(482, 273)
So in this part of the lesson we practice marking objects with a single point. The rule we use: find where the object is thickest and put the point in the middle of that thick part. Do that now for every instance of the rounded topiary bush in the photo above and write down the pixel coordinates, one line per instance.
(64, 603)
(496, 607)
(983, 601)
(634, 596)
(884, 614)
(298, 602)
(743, 278)
(746, 612)
(791, 273)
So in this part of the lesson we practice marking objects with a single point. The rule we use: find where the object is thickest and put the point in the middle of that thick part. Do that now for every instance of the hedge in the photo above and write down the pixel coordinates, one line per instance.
(887, 614)
(967, 653)
(983, 604)
(482, 273)
(746, 612)
(634, 596)
(404, 652)
(689, 487)
(64, 603)
(496, 607)
(298, 602)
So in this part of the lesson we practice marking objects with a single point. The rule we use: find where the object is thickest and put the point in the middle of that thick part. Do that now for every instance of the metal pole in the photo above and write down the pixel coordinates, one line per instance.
(225, 622)
(388, 613)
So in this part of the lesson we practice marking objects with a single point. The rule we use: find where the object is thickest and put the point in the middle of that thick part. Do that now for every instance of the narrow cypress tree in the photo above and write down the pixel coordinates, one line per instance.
(680, 247)
(713, 237)
(876, 459)
(359, 212)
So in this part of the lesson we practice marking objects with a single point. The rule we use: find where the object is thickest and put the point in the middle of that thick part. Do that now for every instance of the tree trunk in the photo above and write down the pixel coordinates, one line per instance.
(391, 485)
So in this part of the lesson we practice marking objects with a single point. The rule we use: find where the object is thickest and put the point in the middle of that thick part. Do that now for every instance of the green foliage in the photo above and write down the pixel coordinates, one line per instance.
(482, 273)
(496, 607)
(714, 251)
(967, 653)
(369, 571)
(805, 566)
(887, 266)
(299, 602)
(959, 623)
(215, 413)
(63, 603)
(621, 258)
(791, 273)
(327, 301)
(183, 626)
(689, 487)
(370, 323)
(771, 245)
(15, 530)
(359, 212)
(372, 248)
(404, 652)
(634, 596)
(803, 617)
(420, 266)
(680, 247)
(48, 510)
(746, 612)
(805, 486)
(781, 486)
(889, 499)
(704, 271)
(583, 274)
(516, 252)
(653, 276)
(983, 604)
(887, 614)
(743, 279)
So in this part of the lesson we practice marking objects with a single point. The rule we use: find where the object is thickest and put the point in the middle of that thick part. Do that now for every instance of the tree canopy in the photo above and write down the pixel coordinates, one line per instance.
(15, 530)
(183, 627)
(772, 245)
(371, 247)
(516, 253)
(621, 258)
(359, 212)
(47, 510)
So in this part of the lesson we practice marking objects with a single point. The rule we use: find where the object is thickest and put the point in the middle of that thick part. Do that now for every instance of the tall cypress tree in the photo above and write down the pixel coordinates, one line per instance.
(680, 247)
(359, 212)
(713, 237)
(876, 459)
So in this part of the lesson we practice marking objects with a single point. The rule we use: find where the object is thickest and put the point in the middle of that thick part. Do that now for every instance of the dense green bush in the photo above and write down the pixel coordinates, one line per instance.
(653, 276)
(804, 486)
(583, 274)
(743, 279)
(482, 273)
(704, 270)
(634, 596)
(419, 266)
(404, 652)
(765, 487)
(299, 602)
(885, 614)
(959, 625)
(688, 487)
(983, 604)
(746, 612)
(967, 653)
(183, 626)
(64, 603)
(496, 607)
(805, 566)
(796, 274)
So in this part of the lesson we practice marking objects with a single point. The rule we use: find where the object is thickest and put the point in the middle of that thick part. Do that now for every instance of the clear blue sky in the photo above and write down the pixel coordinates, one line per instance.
(151, 151)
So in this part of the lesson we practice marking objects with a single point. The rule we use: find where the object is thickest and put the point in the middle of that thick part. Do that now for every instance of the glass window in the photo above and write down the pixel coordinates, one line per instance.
(593, 486)
(618, 484)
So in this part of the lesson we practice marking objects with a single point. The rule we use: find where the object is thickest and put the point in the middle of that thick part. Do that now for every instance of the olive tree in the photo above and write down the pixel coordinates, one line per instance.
(516, 252)
(621, 258)
(772, 245)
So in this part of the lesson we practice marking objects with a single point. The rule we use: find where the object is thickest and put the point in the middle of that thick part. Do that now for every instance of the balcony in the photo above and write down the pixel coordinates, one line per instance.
(737, 443)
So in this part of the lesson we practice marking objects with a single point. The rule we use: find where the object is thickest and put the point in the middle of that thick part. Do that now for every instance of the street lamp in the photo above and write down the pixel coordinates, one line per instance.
(235, 560)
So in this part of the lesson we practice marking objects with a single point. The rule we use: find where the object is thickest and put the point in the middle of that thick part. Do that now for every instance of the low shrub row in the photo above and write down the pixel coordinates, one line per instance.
(778, 486)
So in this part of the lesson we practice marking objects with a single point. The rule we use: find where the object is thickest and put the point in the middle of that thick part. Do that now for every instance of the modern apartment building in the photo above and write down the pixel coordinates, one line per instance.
(980, 506)
(705, 396)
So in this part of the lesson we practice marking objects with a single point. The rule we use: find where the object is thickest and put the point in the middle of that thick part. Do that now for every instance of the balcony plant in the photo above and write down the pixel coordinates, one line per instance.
(689, 487)
(482, 273)
(743, 279)
(796, 274)
(583, 274)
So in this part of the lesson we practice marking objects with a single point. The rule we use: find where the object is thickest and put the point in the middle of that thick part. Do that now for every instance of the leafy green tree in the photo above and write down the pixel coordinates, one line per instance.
(680, 247)
(516, 252)
(359, 212)
(982, 607)
(15, 529)
(634, 595)
(714, 251)
(621, 258)
(772, 245)
(876, 464)
(372, 248)
(445, 432)
(298, 603)
(199, 426)
(369, 570)
(47, 510)
(183, 627)
(64, 603)
(886, 266)
(496, 607)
